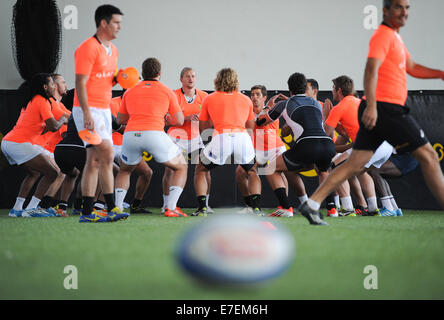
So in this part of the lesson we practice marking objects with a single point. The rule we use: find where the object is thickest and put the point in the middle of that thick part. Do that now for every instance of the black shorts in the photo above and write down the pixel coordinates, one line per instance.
(308, 152)
(395, 125)
(68, 158)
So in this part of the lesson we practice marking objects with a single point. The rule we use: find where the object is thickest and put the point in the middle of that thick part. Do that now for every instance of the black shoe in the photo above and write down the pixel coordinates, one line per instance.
(313, 216)
(200, 213)
(135, 210)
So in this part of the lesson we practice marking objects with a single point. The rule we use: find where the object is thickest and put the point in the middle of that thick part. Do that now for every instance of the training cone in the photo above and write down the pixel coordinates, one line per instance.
(128, 78)
(90, 137)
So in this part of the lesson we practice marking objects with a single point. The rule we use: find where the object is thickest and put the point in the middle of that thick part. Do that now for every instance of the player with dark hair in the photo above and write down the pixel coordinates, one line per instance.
(19, 147)
(313, 148)
(95, 68)
(144, 110)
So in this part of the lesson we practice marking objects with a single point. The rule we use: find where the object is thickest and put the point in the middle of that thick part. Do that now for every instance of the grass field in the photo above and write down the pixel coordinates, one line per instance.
(134, 259)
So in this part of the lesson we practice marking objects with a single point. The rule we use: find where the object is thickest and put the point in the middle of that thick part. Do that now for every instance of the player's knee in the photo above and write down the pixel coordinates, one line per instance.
(426, 156)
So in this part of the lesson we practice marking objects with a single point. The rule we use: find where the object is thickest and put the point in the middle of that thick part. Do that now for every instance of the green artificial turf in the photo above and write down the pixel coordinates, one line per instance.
(134, 259)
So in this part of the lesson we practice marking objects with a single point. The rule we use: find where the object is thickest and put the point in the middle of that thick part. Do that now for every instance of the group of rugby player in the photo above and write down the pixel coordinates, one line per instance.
(371, 131)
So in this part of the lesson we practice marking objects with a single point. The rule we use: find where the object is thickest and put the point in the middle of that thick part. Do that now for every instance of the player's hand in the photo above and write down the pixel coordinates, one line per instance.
(286, 131)
(194, 117)
(65, 118)
(88, 121)
(370, 117)
(115, 77)
(272, 101)
(328, 105)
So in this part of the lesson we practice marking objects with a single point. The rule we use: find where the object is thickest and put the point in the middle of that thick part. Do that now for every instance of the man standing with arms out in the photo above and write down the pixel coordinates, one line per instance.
(383, 115)
(144, 110)
(95, 67)
(187, 136)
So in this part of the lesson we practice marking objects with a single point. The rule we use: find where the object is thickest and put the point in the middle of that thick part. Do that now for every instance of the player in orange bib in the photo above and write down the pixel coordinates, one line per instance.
(187, 136)
(95, 68)
(383, 114)
(142, 170)
(47, 143)
(232, 115)
(144, 110)
(19, 147)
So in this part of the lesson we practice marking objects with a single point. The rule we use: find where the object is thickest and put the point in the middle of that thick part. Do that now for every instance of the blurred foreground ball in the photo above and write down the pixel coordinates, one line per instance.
(128, 78)
(233, 249)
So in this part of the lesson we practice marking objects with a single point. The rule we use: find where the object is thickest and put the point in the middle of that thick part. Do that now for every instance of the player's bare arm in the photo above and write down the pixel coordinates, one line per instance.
(370, 115)
(419, 71)
(82, 95)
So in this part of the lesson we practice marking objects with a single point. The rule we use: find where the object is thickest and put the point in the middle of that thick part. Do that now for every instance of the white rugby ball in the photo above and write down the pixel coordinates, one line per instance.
(235, 249)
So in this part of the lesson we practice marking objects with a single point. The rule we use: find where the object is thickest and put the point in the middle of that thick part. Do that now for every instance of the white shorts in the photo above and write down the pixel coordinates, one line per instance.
(117, 153)
(19, 153)
(189, 146)
(222, 146)
(381, 155)
(44, 151)
(156, 143)
(102, 121)
(264, 156)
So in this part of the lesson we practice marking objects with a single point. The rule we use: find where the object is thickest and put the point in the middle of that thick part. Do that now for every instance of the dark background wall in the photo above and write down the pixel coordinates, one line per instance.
(410, 191)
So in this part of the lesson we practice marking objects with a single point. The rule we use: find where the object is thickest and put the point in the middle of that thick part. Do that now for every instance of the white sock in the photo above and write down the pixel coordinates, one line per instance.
(337, 202)
(120, 195)
(19, 202)
(372, 204)
(303, 198)
(313, 204)
(347, 203)
(387, 203)
(33, 203)
(175, 193)
(394, 204)
(165, 201)
(208, 197)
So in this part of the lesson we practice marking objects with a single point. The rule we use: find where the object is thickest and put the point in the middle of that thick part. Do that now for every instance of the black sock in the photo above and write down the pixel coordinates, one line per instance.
(255, 200)
(88, 203)
(63, 205)
(202, 202)
(330, 201)
(78, 204)
(54, 202)
(136, 203)
(281, 194)
(109, 199)
(247, 201)
(46, 202)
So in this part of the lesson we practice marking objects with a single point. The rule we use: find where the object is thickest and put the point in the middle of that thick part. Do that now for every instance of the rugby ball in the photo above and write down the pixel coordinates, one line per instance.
(235, 249)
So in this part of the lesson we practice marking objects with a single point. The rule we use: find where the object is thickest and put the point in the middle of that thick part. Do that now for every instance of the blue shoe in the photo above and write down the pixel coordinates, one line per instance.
(94, 218)
(387, 213)
(399, 213)
(116, 214)
(51, 212)
(16, 213)
(35, 213)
